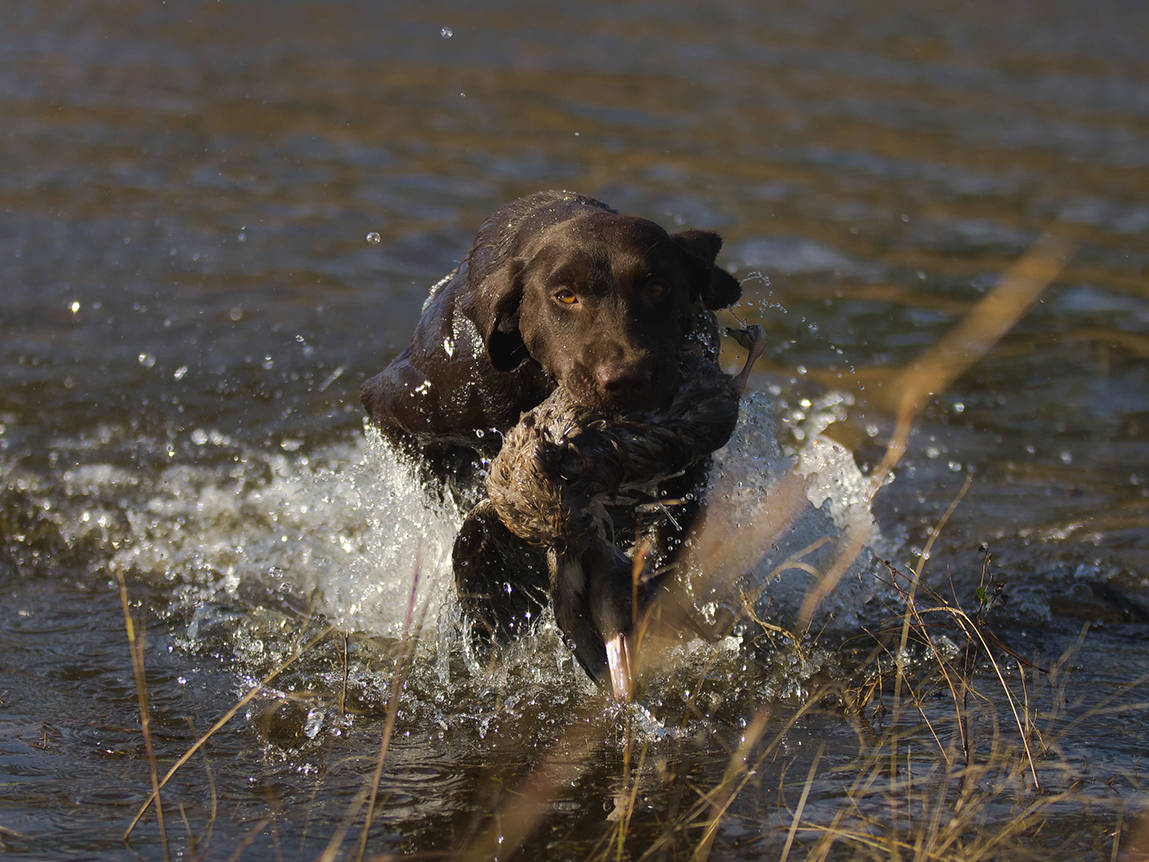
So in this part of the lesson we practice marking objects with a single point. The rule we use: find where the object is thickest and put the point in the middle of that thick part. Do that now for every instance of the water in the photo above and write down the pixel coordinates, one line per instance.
(216, 220)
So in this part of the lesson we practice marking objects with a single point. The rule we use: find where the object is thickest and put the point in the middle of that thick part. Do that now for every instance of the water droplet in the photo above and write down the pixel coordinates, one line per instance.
(314, 722)
(1066, 456)
(180, 372)
(446, 32)
(373, 238)
(75, 306)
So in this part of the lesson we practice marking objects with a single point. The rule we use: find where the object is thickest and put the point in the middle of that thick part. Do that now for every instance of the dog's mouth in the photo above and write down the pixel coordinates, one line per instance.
(617, 388)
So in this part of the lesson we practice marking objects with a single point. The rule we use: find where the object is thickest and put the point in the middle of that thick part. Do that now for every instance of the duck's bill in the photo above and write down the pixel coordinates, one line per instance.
(618, 661)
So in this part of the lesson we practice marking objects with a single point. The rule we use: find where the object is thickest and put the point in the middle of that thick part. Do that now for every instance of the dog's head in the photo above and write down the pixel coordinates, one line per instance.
(603, 302)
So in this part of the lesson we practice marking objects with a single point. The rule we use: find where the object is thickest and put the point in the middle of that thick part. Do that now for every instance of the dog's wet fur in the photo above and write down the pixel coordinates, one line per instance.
(557, 290)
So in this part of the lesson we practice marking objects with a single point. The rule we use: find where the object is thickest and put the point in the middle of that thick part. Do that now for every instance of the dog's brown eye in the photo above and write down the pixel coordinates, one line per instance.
(655, 289)
(566, 297)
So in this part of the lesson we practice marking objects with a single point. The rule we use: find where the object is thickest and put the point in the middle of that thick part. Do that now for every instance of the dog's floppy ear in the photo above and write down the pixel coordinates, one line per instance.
(714, 286)
(497, 316)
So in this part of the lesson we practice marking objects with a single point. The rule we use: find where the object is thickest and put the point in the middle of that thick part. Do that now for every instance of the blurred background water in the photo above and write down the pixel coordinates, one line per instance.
(188, 304)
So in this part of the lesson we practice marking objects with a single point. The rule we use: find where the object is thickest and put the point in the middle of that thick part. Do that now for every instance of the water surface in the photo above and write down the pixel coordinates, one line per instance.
(188, 304)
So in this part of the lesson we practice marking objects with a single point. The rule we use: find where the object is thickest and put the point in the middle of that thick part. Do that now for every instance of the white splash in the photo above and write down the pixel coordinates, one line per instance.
(780, 521)
(347, 532)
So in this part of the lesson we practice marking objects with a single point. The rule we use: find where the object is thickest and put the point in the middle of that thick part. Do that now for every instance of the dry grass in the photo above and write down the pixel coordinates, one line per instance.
(894, 800)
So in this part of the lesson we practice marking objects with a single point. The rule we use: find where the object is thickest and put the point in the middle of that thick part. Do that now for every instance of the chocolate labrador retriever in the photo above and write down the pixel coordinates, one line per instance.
(557, 290)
